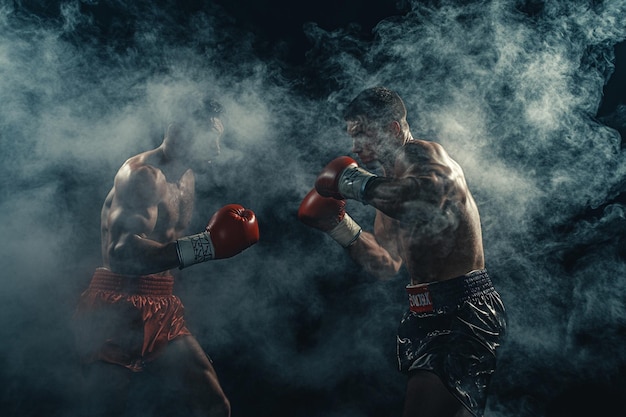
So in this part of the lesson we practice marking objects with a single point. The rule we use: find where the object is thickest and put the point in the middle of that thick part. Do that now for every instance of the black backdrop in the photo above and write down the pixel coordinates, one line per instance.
(527, 95)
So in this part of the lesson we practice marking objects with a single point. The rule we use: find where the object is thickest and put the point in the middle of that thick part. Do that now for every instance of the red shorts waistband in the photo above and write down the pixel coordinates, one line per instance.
(156, 285)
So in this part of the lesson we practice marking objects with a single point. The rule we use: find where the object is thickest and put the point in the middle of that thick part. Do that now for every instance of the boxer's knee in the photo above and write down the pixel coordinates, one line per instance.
(220, 408)
(208, 395)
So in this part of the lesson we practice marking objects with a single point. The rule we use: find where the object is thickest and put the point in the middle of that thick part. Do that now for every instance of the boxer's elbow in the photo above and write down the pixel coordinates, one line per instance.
(374, 258)
(382, 266)
(126, 257)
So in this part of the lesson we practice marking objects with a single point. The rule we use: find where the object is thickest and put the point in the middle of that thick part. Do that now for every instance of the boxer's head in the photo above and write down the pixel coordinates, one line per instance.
(196, 135)
(376, 121)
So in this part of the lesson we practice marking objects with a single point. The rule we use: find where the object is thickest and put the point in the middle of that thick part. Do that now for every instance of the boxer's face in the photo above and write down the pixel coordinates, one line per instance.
(369, 141)
(204, 143)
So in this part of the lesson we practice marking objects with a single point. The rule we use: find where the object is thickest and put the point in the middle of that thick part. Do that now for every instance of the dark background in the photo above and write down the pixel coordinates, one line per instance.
(527, 95)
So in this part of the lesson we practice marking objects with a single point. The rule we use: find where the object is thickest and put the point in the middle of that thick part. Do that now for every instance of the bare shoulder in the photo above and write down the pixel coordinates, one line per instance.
(139, 183)
(420, 156)
(424, 150)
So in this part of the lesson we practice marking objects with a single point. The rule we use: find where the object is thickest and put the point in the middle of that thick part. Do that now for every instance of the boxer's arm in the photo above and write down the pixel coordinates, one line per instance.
(417, 187)
(424, 182)
(132, 218)
(374, 258)
(412, 197)
(377, 252)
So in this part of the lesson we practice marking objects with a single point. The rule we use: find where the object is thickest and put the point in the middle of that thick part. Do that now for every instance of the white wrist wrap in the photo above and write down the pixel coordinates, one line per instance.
(194, 249)
(352, 182)
(346, 232)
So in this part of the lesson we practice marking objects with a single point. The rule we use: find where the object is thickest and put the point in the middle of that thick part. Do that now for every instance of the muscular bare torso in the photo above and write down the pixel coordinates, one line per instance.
(427, 216)
(148, 207)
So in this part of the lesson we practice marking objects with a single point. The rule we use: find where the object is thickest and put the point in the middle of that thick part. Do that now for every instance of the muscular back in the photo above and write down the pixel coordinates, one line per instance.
(144, 211)
(426, 214)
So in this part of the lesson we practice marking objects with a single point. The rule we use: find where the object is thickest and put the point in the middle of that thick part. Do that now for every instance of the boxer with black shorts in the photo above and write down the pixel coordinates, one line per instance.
(130, 328)
(427, 220)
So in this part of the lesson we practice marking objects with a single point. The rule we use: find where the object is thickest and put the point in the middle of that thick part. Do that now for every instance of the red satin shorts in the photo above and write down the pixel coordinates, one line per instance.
(127, 320)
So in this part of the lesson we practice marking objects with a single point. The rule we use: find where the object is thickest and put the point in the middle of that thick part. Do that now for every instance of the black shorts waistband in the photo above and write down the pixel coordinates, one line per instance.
(442, 296)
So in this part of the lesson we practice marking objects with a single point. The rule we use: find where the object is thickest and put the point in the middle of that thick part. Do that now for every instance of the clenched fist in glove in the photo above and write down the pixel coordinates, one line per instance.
(343, 178)
(329, 215)
(232, 229)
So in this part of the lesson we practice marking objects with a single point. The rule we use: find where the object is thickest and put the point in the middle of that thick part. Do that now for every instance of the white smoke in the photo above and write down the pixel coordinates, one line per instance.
(510, 88)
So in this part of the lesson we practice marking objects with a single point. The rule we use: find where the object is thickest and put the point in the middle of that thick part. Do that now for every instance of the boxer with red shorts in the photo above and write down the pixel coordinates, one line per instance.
(130, 328)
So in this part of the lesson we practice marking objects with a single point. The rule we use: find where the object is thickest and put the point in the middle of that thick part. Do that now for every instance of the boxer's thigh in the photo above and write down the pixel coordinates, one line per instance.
(427, 396)
(187, 370)
(104, 390)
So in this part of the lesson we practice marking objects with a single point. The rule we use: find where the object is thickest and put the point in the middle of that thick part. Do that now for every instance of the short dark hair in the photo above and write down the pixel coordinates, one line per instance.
(377, 104)
(208, 108)
(184, 108)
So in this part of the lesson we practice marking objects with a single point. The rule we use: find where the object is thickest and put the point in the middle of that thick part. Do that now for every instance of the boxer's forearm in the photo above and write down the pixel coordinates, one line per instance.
(141, 256)
(375, 259)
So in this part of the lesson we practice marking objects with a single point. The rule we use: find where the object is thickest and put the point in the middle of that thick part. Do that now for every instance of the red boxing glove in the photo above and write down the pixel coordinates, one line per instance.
(329, 215)
(343, 178)
(322, 213)
(230, 230)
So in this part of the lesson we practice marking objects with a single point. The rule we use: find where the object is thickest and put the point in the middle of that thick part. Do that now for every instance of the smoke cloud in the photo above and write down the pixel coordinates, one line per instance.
(511, 88)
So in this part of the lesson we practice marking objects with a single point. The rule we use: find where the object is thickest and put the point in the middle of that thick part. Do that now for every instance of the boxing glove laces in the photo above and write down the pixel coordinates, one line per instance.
(343, 178)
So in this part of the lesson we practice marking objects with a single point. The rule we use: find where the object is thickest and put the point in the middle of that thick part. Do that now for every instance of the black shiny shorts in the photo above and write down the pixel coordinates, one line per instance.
(453, 328)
